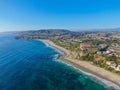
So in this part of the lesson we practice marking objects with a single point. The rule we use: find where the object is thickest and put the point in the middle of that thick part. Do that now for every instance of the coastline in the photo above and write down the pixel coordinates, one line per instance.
(108, 78)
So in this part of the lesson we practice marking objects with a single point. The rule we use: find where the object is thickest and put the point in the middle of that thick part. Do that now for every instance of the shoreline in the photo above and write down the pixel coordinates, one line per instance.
(109, 79)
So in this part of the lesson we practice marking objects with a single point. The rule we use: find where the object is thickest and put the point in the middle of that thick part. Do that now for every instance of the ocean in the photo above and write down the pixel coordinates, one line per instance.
(31, 65)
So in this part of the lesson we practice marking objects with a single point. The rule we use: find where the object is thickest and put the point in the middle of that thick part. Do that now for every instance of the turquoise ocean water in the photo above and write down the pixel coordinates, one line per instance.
(31, 65)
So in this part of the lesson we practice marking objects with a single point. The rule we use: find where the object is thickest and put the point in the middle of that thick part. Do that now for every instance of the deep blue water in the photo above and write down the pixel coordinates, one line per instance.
(30, 65)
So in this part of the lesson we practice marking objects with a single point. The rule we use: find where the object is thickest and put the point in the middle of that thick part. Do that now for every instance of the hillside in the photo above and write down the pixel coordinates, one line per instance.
(50, 34)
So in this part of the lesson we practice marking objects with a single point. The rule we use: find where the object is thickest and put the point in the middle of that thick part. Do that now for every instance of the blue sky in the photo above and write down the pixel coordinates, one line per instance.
(68, 14)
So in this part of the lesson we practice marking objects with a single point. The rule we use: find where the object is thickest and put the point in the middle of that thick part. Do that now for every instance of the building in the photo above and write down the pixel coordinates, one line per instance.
(114, 65)
(85, 46)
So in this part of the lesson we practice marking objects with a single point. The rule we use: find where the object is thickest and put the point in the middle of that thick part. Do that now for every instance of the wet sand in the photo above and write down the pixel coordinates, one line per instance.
(108, 78)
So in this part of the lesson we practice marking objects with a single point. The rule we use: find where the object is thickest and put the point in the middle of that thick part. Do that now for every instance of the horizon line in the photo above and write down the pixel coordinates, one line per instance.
(72, 29)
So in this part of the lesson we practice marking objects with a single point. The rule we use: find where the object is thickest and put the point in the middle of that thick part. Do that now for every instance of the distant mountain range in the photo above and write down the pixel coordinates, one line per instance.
(58, 33)
(49, 33)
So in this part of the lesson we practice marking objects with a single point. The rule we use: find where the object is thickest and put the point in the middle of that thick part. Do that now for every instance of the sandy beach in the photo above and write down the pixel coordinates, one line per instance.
(108, 78)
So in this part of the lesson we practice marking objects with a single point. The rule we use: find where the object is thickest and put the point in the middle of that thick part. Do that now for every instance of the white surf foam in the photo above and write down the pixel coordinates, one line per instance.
(107, 83)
